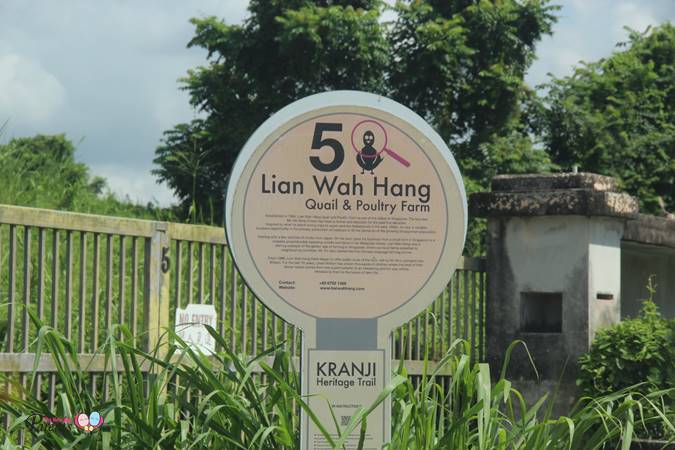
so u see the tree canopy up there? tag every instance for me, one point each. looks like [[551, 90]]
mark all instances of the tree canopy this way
[[458, 63], [41, 171], [616, 117]]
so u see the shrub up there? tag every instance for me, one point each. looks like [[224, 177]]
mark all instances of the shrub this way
[[634, 351]]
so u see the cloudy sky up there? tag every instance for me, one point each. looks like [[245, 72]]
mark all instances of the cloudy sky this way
[[105, 73]]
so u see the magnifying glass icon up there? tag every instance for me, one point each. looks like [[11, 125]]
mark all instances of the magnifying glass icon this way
[[389, 151]]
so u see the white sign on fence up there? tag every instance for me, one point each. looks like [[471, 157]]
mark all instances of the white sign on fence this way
[[190, 326]]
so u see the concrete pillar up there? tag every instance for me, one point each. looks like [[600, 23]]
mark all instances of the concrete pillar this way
[[554, 272]]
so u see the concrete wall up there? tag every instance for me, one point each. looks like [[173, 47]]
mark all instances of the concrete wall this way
[[575, 256], [638, 262], [604, 274], [545, 258], [563, 261]]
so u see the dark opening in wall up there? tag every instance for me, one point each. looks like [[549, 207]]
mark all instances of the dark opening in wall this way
[[541, 312]]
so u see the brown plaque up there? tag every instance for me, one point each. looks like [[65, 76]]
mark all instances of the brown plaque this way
[[346, 215], [346, 212]]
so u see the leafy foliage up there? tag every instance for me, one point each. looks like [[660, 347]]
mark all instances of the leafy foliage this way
[[638, 350], [461, 65], [42, 172], [284, 51], [616, 117], [222, 403], [458, 63]]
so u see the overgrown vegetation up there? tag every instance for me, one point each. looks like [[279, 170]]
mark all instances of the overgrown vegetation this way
[[222, 403], [616, 117], [637, 352], [458, 64], [42, 172]]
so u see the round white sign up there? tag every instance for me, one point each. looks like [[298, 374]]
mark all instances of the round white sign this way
[[346, 205]]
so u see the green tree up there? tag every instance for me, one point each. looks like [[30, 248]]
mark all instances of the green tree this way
[[41, 171], [616, 116], [461, 65], [285, 50], [458, 63], [31, 164]]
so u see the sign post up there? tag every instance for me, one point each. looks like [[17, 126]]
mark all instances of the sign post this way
[[346, 215]]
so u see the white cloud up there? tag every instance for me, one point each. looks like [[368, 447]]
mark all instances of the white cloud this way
[[635, 15], [28, 92], [589, 30], [118, 63], [135, 183]]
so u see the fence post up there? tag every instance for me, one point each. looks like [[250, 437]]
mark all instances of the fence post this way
[[157, 279]]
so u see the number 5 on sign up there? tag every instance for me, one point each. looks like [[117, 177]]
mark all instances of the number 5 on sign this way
[[346, 247]]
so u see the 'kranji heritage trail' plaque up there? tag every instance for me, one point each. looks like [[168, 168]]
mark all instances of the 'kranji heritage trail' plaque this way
[[346, 215]]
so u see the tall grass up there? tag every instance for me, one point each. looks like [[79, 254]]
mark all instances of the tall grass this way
[[41, 172], [473, 412], [181, 399]]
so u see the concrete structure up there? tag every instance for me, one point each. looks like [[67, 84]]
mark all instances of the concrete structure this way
[[648, 249], [557, 246]]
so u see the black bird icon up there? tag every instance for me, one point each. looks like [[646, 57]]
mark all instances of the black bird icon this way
[[368, 159]]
